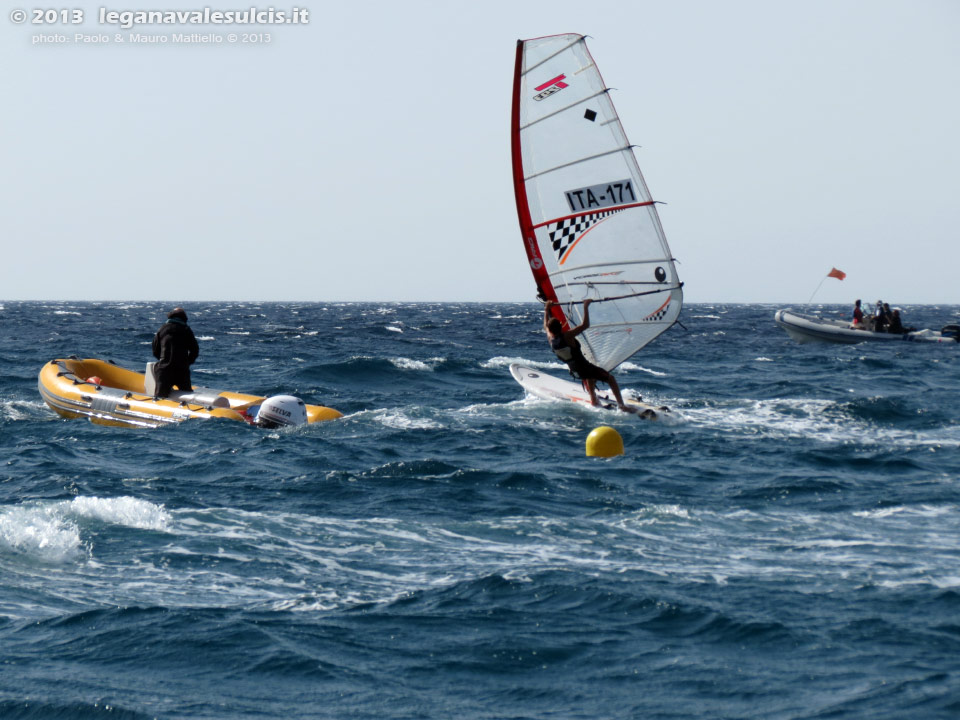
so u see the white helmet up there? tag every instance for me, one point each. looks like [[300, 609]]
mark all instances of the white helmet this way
[[281, 410]]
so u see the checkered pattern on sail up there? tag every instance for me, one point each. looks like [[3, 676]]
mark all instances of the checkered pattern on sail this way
[[658, 314], [565, 231]]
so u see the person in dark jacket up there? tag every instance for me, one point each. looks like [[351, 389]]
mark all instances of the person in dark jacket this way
[[881, 318], [565, 346], [175, 348], [896, 324]]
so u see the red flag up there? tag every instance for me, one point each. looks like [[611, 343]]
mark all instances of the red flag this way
[[838, 274]]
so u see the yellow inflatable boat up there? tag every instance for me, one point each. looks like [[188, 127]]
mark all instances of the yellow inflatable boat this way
[[108, 394]]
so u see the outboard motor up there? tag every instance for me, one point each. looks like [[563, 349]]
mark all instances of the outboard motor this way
[[951, 331], [282, 411]]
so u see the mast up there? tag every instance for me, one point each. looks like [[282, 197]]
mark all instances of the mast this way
[[540, 275]]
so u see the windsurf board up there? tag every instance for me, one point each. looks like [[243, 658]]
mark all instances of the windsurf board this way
[[549, 387]]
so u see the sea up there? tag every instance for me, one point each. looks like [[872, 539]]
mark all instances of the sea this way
[[785, 543]]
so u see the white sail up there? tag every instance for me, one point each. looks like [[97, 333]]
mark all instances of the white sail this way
[[590, 227]]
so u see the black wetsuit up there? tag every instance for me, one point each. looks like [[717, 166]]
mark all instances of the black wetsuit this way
[[880, 322], [175, 348], [572, 355]]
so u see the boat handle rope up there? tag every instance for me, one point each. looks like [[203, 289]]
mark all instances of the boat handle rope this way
[[183, 403], [128, 396]]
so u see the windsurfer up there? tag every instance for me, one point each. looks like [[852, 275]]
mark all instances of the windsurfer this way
[[566, 347]]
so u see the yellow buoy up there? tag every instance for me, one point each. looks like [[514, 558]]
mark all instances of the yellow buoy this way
[[604, 442]]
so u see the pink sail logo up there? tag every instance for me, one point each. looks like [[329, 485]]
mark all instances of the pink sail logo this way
[[550, 87]]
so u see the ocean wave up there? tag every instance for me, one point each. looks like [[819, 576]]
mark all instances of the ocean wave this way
[[43, 533], [24, 410], [125, 511], [629, 366], [399, 420], [924, 511], [210, 371], [502, 361], [404, 363], [252, 559], [51, 532], [820, 419]]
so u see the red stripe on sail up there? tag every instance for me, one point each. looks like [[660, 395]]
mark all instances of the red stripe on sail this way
[[540, 275], [612, 208], [556, 81]]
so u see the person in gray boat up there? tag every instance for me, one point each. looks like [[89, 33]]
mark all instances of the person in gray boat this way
[[857, 322], [881, 317], [176, 349], [896, 324]]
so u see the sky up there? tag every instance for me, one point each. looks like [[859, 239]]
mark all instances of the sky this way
[[365, 155]]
